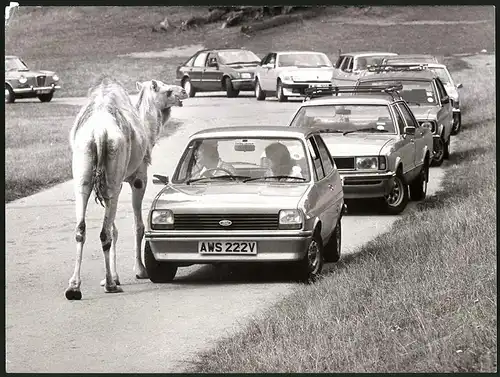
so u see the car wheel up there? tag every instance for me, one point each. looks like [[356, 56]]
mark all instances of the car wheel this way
[[446, 152], [279, 92], [259, 93], [438, 157], [46, 97], [333, 247], [158, 272], [418, 188], [230, 91], [10, 97], [309, 268], [397, 199], [457, 126], [188, 87]]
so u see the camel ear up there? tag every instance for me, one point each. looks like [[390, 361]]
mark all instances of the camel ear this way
[[138, 85], [154, 85]]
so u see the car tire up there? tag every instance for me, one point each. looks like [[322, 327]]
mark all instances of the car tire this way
[[333, 247], [279, 92], [309, 268], [230, 91], [188, 87], [259, 93], [158, 272], [446, 155], [457, 126], [397, 199], [10, 97], [418, 188], [438, 158], [46, 97]]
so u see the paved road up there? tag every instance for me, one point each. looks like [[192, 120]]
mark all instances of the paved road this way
[[150, 327]]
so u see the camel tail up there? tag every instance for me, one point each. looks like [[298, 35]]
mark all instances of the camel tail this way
[[99, 170]]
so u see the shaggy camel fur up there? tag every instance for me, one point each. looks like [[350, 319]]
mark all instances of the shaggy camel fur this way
[[112, 141]]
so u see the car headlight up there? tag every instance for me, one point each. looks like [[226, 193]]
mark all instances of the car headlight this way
[[162, 219], [246, 75], [366, 163], [23, 80], [290, 219], [237, 74], [55, 78]]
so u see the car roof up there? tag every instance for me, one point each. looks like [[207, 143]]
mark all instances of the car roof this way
[[417, 57], [223, 49], [367, 53], [423, 75], [298, 52], [253, 131], [357, 99]]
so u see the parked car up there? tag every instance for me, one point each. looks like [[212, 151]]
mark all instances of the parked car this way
[[229, 70], [425, 93], [244, 210], [378, 146], [442, 72], [288, 73], [410, 58], [349, 65], [22, 82]]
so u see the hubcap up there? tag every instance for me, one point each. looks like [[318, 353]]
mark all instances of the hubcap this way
[[313, 255], [187, 87], [424, 184], [257, 90], [395, 197]]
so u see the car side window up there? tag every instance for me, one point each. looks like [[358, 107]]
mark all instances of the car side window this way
[[318, 167], [345, 64], [265, 59], [272, 59], [407, 114], [189, 63], [211, 57], [441, 89], [326, 158], [399, 120], [200, 59], [339, 61]]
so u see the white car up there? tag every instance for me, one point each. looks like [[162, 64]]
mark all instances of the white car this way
[[288, 73]]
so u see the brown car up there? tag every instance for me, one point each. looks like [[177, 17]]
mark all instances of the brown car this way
[[229, 70]]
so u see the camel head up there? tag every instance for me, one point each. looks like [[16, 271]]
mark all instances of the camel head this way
[[164, 96]]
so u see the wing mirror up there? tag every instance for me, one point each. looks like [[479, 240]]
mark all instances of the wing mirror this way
[[445, 100], [160, 179], [459, 86], [410, 130]]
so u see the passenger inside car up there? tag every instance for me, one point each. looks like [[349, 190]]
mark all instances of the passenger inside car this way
[[281, 163], [209, 163]]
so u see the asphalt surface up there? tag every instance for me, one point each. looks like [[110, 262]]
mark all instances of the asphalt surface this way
[[149, 327]]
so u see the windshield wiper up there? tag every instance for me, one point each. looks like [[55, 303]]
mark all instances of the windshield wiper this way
[[274, 177], [364, 130], [226, 176]]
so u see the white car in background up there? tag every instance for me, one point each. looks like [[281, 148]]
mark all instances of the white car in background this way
[[288, 73]]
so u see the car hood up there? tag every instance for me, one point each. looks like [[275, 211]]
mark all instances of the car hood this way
[[29, 73], [424, 112], [225, 195], [355, 144], [306, 74]]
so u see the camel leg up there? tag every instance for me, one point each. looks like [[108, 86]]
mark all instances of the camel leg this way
[[138, 186], [106, 236], [112, 256]]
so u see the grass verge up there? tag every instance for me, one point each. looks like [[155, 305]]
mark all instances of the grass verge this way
[[420, 298]]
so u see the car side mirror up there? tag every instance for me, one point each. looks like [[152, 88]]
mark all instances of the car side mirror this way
[[410, 130], [445, 100], [459, 86], [160, 179]]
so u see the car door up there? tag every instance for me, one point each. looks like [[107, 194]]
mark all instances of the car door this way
[[445, 113], [345, 76], [419, 138], [211, 78], [406, 143], [197, 71], [321, 195], [265, 73]]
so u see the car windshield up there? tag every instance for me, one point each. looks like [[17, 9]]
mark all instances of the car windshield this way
[[238, 56], [443, 74], [304, 60], [415, 92], [363, 62], [15, 64], [243, 160], [346, 118]]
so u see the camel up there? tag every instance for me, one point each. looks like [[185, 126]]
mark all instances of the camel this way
[[111, 141]]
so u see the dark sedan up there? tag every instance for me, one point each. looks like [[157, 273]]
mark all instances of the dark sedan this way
[[229, 70]]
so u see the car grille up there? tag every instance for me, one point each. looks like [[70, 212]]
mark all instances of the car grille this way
[[40, 80], [239, 221], [344, 162]]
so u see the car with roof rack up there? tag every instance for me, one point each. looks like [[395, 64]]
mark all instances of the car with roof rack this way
[[427, 97], [443, 73], [349, 65], [228, 69], [378, 146], [226, 203], [289, 73], [410, 58]]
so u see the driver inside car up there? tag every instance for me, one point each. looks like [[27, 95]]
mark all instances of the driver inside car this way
[[209, 163]]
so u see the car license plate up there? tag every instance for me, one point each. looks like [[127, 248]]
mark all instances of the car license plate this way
[[43, 91], [227, 247], [319, 85]]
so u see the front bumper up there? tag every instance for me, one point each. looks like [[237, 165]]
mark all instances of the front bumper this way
[[278, 246], [297, 89], [37, 90], [367, 185], [243, 84]]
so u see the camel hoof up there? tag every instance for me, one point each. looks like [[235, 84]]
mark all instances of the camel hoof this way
[[73, 294], [103, 282], [113, 289]]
